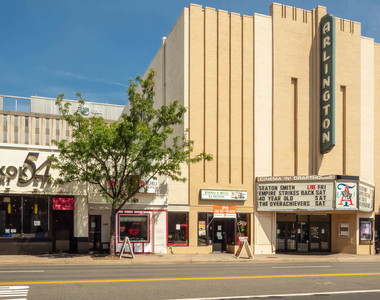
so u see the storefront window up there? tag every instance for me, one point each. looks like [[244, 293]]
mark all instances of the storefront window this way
[[35, 216], [178, 229], [205, 225], [202, 229], [10, 216], [209, 227], [242, 227], [136, 227]]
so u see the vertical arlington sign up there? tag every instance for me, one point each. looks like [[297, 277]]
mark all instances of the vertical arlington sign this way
[[327, 102]]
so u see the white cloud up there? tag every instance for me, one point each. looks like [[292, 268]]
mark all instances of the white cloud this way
[[69, 74], [119, 98]]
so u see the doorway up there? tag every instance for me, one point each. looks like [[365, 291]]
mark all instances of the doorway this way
[[303, 233], [286, 236], [95, 232], [319, 236], [63, 230], [223, 234]]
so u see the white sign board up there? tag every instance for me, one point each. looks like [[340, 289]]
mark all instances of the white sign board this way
[[346, 196], [149, 186], [344, 229], [223, 195], [365, 197], [291, 196]]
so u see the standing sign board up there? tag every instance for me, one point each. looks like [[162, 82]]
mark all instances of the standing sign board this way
[[126, 241], [244, 245]]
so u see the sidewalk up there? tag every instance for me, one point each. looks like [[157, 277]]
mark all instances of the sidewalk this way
[[87, 259]]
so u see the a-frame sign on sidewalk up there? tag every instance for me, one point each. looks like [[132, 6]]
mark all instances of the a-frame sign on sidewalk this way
[[126, 240], [244, 244]]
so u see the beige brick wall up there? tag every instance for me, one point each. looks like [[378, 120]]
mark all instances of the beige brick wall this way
[[345, 157], [367, 110], [292, 43], [377, 125], [221, 105]]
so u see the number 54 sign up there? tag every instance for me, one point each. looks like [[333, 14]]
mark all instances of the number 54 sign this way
[[26, 173]]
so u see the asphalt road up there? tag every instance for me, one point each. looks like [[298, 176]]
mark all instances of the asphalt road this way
[[338, 280]]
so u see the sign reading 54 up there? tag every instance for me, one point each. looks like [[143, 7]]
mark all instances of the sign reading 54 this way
[[28, 171]]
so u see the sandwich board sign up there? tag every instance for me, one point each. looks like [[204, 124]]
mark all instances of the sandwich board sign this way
[[126, 240], [244, 244]]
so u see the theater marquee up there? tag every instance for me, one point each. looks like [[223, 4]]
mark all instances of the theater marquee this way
[[295, 196], [313, 193]]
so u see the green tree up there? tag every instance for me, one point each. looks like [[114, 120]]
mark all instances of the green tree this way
[[113, 156]]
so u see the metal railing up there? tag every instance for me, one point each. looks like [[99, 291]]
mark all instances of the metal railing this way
[[13, 103]]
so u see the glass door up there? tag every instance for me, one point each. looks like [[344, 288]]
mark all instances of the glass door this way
[[314, 237], [320, 237], [325, 236], [286, 236], [303, 237], [280, 236], [95, 232], [220, 239], [291, 241]]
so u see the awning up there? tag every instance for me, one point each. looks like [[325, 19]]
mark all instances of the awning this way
[[63, 203]]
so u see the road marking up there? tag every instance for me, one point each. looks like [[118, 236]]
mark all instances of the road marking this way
[[9, 292], [285, 295], [31, 271], [188, 279], [301, 267]]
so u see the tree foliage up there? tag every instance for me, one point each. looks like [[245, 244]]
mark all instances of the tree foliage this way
[[112, 156]]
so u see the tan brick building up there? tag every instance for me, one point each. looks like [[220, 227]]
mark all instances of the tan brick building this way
[[252, 86]]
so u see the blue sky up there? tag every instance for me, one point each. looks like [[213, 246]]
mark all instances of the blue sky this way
[[95, 46]]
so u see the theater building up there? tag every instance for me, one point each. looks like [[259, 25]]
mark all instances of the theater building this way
[[286, 104]]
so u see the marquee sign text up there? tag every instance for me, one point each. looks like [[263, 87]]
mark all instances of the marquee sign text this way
[[287, 196]]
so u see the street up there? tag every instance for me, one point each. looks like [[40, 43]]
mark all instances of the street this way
[[303, 280]]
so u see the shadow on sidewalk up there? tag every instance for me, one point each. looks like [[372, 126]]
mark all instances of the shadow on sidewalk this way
[[60, 255]]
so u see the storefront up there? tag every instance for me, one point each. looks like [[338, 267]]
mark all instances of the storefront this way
[[36, 215], [224, 227], [319, 213], [303, 233], [144, 222]]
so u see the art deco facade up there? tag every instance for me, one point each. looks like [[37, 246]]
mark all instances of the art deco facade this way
[[285, 103], [252, 86]]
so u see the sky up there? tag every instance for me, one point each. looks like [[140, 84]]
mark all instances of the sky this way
[[95, 46]]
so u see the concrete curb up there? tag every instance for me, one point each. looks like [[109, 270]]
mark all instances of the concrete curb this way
[[180, 259], [72, 259]]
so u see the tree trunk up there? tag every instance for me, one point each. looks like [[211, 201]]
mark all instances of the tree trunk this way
[[112, 231]]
